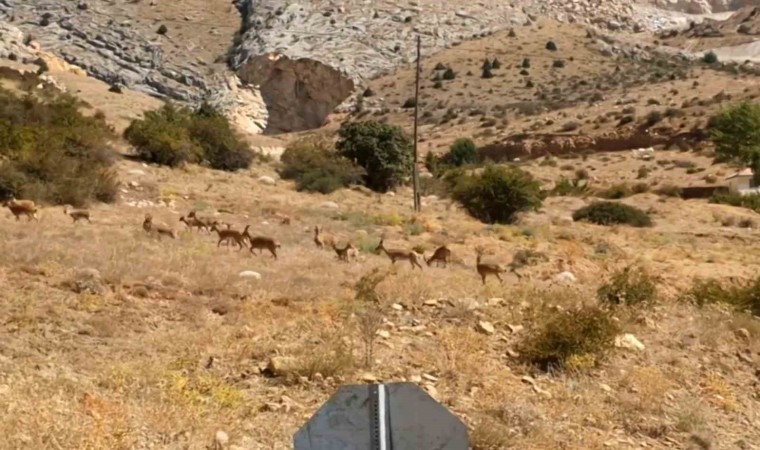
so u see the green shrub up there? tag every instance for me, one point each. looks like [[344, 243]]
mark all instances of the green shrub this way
[[558, 63], [498, 193], [611, 213], [487, 74], [383, 150], [409, 103], [316, 167], [631, 286], [496, 64], [174, 135], [710, 58], [51, 153], [653, 118], [462, 151], [744, 201], [449, 74], [615, 192], [742, 296], [582, 333], [525, 63], [551, 46], [642, 173]]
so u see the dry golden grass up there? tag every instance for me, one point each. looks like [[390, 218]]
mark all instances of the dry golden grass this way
[[126, 364]]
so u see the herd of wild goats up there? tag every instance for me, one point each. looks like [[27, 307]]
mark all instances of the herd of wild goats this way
[[241, 239]]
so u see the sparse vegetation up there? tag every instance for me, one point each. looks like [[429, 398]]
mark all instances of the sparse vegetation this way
[[744, 201], [463, 151], [586, 332], [316, 167], [736, 134], [631, 286], [51, 153], [669, 190], [383, 150], [623, 190], [174, 135], [613, 213], [744, 296], [498, 193], [566, 187]]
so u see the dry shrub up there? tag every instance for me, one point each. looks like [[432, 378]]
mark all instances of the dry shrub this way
[[580, 337], [631, 286], [460, 357]]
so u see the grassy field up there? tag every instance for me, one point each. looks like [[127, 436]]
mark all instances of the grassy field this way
[[162, 347]]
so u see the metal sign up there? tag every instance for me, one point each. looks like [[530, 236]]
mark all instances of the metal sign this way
[[397, 416]]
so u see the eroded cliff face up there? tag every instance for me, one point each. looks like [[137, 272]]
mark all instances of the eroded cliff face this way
[[299, 94]]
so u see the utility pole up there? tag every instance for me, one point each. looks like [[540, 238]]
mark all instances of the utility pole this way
[[416, 170]]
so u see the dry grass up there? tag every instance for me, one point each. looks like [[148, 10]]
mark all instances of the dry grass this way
[[129, 366]]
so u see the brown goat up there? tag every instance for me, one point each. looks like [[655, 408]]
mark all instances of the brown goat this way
[[400, 254], [229, 235], [159, 228], [441, 255], [77, 214], [22, 208]]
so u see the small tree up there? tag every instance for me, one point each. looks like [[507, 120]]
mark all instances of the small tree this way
[[710, 58], [496, 64], [449, 74], [526, 63], [462, 151], [383, 150], [498, 193], [612, 213], [736, 134], [487, 73], [486, 65]]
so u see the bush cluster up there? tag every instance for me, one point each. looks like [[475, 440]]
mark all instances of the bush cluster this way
[[498, 193], [174, 135], [51, 153], [612, 213], [744, 201], [383, 150], [743, 297], [317, 167], [586, 333], [631, 286]]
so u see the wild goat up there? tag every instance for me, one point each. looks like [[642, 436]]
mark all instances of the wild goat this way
[[262, 243], [77, 214], [229, 235], [194, 222], [323, 239], [346, 253], [22, 207], [399, 254], [485, 269], [160, 229], [441, 255]]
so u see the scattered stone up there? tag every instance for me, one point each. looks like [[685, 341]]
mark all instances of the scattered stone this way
[[565, 278], [542, 392], [116, 88], [384, 334], [516, 328], [397, 307], [486, 327], [250, 275], [429, 377], [415, 379], [745, 357], [496, 301], [278, 366], [221, 439], [743, 334], [87, 281], [605, 387], [368, 377], [430, 389], [330, 205], [512, 353], [629, 341], [267, 180], [432, 302]]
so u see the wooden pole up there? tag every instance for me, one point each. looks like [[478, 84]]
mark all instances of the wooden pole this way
[[415, 173]]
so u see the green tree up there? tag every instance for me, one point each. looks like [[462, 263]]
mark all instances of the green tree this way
[[736, 134], [498, 193], [462, 151], [383, 150]]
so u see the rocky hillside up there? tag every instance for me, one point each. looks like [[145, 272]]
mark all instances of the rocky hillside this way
[[280, 67]]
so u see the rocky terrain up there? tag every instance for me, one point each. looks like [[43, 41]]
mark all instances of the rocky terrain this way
[[288, 65]]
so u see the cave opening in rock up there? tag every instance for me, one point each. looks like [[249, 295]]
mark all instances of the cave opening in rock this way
[[299, 93]]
